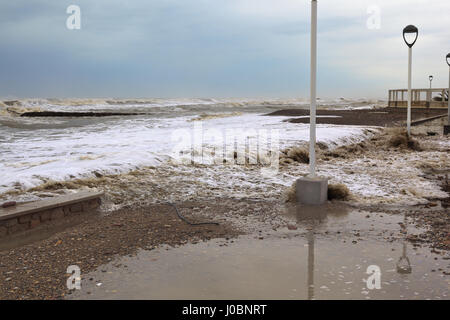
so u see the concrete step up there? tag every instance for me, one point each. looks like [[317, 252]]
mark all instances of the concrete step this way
[[29, 215], [42, 205]]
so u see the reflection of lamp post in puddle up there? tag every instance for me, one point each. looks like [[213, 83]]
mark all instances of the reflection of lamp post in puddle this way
[[312, 217], [311, 264], [403, 264]]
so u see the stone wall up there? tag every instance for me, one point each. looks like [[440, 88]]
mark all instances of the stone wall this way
[[29, 221]]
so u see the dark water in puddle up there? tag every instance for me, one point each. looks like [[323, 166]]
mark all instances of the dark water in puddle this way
[[320, 260]]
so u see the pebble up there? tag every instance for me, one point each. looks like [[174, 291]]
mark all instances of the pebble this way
[[9, 204]]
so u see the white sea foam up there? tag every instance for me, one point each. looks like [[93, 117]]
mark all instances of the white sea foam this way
[[36, 150], [165, 105], [31, 157]]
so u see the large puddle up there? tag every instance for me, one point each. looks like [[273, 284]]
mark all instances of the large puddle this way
[[326, 257]]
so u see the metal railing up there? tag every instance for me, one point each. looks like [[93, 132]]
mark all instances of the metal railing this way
[[425, 98]]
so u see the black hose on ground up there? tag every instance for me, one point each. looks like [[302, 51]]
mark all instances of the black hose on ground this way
[[187, 221]]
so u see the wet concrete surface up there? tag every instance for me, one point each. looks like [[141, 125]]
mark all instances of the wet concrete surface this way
[[323, 253]]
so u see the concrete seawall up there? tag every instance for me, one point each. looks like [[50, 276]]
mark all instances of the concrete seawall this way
[[22, 217]]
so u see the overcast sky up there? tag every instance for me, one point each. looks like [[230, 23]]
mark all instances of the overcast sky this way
[[217, 48]]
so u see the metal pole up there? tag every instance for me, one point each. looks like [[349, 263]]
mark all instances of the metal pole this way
[[408, 117], [312, 112], [448, 96]]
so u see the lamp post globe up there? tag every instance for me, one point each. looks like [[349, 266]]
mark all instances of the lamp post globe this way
[[410, 34]]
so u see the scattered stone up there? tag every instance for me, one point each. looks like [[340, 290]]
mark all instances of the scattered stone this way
[[92, 242], [9, 204]]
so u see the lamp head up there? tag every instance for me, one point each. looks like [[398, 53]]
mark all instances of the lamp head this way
[[431, 78], [410, 34], [448, 59]]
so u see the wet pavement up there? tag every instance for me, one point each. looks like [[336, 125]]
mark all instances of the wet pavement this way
[[323, 253]]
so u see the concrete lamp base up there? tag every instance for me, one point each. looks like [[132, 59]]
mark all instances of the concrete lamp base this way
[[312, 191], [446, 130]]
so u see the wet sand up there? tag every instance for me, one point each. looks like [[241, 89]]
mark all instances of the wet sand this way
[[318, 254], [160, 256], [383, 117], [38, 270]]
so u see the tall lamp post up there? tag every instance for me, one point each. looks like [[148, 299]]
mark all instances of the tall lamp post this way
[[312, 189], [430, 94], [312, 112], [448, 93], [410, 34]]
